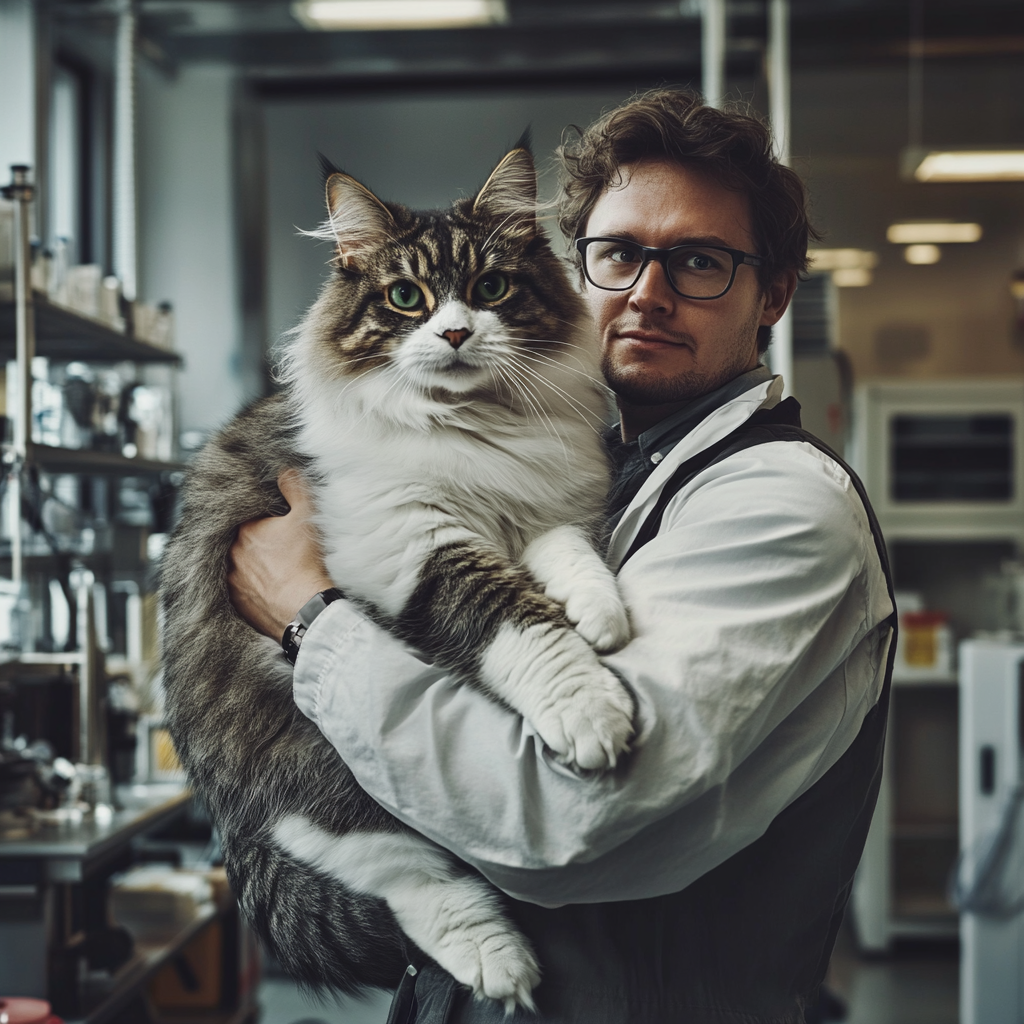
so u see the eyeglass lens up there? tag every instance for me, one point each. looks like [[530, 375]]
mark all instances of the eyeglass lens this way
[[698, 271]]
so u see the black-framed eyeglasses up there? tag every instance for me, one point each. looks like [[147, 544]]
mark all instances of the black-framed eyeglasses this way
[[693, 271]]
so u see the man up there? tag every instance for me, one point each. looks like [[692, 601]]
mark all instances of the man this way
[[703, 880]]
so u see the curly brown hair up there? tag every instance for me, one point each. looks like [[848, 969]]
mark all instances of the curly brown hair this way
[[732, 146]]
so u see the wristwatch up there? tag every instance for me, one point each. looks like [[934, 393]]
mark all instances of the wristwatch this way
[[296, 629]]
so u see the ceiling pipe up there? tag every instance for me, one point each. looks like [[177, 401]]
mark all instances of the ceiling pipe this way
[[713, 29], [781, 352]]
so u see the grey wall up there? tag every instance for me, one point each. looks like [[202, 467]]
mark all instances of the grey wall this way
[[17, 86], [422, 149], [187, 243]]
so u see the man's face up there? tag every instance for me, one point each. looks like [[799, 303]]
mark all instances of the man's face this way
[[659, 349]]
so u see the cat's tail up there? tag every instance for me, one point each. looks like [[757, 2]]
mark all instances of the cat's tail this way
[[327, 939]]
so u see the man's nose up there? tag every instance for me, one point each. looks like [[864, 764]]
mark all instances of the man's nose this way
[[652, 293], [457, 337]]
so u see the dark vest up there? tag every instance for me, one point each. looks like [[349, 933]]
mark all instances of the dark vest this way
[[747, 943]]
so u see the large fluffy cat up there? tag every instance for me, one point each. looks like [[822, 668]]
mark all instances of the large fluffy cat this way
[[441, 401]]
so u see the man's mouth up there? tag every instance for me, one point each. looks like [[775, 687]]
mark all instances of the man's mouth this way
[[650, 338]]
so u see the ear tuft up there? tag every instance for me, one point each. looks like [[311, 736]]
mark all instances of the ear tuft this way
[[327, 168], [510, 193], [359, 222], [525, 141]]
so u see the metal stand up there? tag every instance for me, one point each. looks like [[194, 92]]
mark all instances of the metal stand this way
[[17, 458], [21, 193]]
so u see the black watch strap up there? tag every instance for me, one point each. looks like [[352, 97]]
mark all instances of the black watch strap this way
[[296, 629]]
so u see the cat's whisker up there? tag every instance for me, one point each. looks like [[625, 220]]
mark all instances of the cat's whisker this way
[[400, 378], [547, 419], [354, 381], [499, 380], [575, 405], [595, 381], [550, 360], [530, 407], [522, 388]]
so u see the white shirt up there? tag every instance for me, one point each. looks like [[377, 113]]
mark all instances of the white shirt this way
[[760, 640]]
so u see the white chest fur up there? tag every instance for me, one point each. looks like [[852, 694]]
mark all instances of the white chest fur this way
[[397, 481]]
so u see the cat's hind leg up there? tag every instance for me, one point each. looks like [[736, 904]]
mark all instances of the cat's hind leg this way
[[574, 574], [454, 917]]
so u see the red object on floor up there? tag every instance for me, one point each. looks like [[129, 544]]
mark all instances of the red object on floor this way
[[26, 1011]]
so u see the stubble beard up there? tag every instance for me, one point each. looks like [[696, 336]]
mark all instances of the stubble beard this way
[[640, 384]]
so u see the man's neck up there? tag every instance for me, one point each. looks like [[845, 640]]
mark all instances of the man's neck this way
[[635, 419]]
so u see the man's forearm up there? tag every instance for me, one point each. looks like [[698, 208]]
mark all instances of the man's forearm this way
[[751, 676]]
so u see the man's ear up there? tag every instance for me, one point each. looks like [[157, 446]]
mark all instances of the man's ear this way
[[359, 221], [777, 297], [510, 193]]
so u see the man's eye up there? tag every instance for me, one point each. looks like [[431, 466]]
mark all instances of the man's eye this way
[[700, 261], [622, 255]]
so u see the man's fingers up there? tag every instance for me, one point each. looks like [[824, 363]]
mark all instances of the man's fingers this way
[[295, 491]]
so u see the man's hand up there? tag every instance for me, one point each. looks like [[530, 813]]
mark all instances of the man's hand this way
[[276, 564]]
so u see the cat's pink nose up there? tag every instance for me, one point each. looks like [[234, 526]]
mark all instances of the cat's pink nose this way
[[456, 338]]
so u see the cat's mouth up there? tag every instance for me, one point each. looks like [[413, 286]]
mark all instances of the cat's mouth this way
[[458, 376]]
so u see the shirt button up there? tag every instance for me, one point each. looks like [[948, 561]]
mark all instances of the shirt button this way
[[657, 457]]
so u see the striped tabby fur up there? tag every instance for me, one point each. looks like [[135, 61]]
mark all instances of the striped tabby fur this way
[[448, 431]]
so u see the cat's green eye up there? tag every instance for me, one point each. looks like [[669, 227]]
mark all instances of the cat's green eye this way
[[406, 296], [491, 287]]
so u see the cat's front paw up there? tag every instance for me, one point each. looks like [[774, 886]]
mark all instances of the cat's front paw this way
[[600, 617], [574, 574], [549, 674], [589, 723]]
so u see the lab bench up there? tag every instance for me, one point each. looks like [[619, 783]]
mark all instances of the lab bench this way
[[56, 938]]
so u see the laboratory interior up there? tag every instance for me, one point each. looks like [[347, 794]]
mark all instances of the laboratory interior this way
[[162, 164]]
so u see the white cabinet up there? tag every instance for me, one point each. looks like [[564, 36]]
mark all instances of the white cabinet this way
[[942, 462]]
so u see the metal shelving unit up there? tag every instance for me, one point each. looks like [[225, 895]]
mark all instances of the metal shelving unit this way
[[66, 335], [83, 460], [32, 325]]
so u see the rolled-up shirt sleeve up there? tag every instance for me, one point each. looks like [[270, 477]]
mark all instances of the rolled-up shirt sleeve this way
[[759, 615]]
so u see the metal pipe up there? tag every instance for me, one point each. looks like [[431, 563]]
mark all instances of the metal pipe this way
[[125, 232], [89, 746], [778, 75], [781, 352], [21, 193], [713, 32]]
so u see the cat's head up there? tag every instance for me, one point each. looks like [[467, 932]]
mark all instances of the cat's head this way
[[457, 302]]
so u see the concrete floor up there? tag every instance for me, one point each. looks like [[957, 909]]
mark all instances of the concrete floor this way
[[282, 1003], [916, 985]]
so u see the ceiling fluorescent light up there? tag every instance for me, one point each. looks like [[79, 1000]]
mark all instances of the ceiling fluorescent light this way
[[841, 259], [922, 254], [851, 277], [363, 15], [935, 232], [850, 268], [964, 165]]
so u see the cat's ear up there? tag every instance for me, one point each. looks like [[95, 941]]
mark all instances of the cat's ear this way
[[359, 221], [510, 193]]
